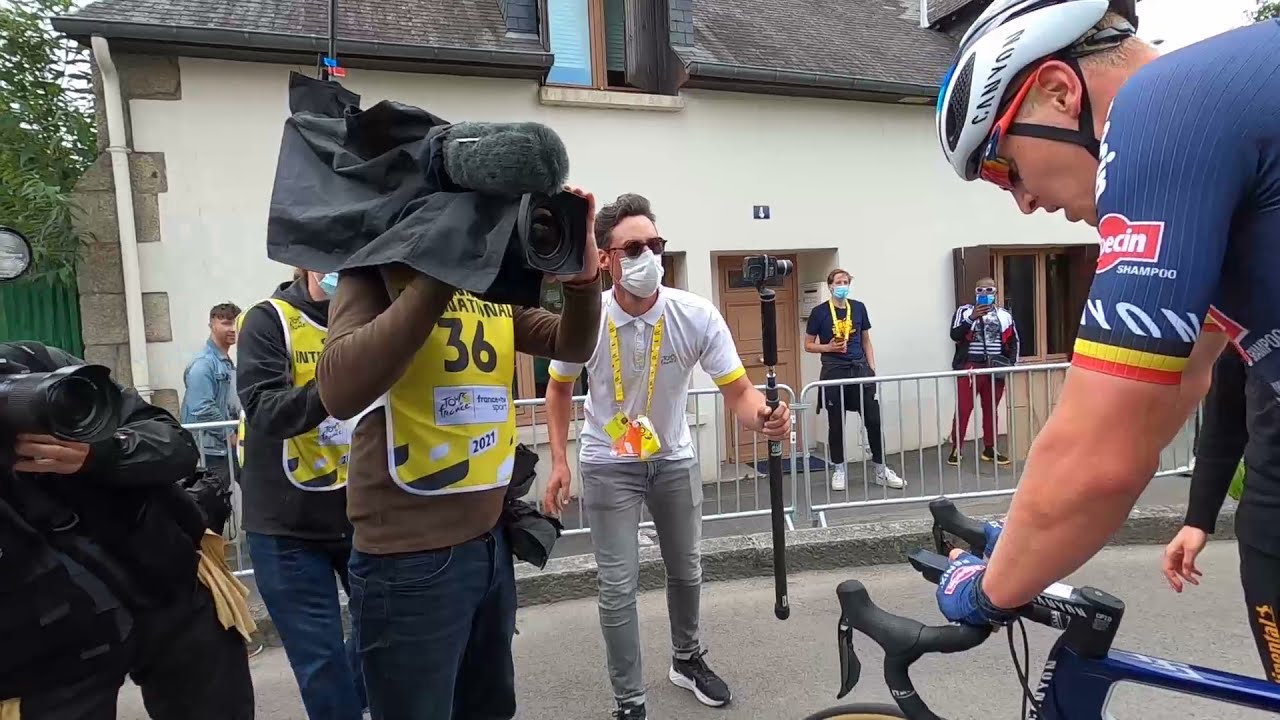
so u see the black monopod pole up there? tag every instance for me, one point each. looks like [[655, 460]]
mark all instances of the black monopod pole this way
[[769, 325]]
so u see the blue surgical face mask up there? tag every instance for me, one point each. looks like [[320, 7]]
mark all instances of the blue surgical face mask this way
[[329, 284], [986, 299], [840, 292]]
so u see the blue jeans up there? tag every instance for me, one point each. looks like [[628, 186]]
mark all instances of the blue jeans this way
[[296, 580], [434, 630]]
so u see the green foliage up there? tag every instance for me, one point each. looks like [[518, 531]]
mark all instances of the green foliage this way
[[47, 132], [1267, 9]]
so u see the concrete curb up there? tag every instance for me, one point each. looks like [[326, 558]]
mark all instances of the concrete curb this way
[[877, 543], [846, 546]]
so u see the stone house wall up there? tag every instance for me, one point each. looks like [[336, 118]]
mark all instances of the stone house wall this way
[[99, 272]]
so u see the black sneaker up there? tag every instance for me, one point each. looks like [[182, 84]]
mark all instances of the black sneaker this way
[[992, 455], [954, 457], [694, 675]]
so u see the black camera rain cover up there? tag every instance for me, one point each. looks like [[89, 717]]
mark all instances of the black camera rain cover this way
[[363, 188]]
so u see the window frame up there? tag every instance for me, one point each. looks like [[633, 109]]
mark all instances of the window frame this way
[[599, 55], [975, 261]]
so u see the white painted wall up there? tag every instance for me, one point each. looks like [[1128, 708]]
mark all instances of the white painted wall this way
[[864, 178]]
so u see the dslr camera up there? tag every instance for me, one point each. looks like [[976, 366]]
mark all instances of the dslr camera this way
[[79, 403]]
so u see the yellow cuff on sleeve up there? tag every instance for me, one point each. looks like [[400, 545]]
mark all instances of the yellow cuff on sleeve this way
[[731, 376], [560, 378]]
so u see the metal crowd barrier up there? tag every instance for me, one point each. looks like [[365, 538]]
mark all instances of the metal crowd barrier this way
[[720, 455], [918, 418], [918, 413]]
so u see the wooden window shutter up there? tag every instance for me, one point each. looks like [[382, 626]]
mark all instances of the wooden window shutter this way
[[970, 264], [652, 65], [1084, 265], [615, 35]]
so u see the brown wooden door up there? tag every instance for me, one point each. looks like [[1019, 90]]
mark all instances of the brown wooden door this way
[[740, 305]]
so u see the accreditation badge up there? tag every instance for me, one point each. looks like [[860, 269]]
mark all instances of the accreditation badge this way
[[638, 440]]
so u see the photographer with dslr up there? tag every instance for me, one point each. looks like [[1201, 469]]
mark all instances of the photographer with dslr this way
[[432, 576], [102, 569]]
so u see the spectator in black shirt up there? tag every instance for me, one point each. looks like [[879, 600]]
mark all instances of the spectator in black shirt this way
[[1241, 419], [840, 330]]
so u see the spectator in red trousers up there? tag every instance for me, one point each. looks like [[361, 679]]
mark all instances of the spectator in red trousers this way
[[985, 337]]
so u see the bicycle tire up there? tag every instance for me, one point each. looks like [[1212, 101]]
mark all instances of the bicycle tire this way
[[861, 711]]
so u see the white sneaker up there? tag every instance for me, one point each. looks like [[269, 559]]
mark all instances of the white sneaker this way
[[887, 477], [838, 479]]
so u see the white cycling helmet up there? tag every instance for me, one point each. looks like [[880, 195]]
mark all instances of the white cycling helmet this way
[[1007, 38]]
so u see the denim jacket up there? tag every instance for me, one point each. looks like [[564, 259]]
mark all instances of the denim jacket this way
[[210, 396]]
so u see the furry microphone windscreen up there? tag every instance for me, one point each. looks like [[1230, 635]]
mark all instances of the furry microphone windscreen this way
[[506, 158]]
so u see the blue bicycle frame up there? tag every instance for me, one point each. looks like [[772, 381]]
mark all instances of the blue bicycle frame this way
[[1073, 686], [1082, 668]]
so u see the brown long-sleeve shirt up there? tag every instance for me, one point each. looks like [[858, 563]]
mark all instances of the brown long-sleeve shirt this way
[[372, 340]]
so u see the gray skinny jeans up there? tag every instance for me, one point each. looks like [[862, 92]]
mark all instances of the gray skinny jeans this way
[[672, 489]]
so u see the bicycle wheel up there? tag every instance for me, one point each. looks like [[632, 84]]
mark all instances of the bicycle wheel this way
[[861, 711]]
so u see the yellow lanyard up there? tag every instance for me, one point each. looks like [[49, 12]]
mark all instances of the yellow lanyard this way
[[615, 359], [841, 328]]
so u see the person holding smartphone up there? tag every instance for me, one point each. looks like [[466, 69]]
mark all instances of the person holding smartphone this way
[[985, 336]]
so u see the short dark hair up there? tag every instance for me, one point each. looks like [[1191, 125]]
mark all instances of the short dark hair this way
[[627, 205], [224, 311], [831, 276]]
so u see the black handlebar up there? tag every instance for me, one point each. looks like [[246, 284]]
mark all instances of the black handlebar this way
[[904, 641], [1088, 617]]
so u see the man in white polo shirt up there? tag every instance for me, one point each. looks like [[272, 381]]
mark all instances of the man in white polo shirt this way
[[636, 447]]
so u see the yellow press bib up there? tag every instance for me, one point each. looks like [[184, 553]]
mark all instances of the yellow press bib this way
[[451, 420], [316, 460]]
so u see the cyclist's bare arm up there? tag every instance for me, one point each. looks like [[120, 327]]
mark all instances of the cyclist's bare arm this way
[[1096, 454]]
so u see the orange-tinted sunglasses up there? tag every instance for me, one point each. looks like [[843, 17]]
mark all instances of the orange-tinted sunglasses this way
[[995, 169]]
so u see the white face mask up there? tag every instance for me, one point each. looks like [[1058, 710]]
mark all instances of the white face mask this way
[[642, 275]]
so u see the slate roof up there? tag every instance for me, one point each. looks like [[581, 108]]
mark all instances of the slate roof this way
[[939, 9], [849, 40], [871, 39], [476, 24]]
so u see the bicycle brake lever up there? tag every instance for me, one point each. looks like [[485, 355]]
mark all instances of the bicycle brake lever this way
[[850, 666], [940, 542]]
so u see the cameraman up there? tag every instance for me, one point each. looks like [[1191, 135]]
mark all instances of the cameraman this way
[[100, 572], [433, 596]]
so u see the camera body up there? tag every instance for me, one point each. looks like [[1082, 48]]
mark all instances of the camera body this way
[[78, 403], [760, 269]]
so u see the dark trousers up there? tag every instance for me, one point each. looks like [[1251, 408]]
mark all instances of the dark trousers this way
[[188, 666], [296, 579], [860, 399], [434, 630], [989, 392], [1260, 577]]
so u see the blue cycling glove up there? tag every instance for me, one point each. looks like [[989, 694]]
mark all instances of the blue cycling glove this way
[[991, 529], [960, 596]]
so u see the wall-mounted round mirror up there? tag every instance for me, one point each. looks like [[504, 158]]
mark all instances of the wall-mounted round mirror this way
[[15, 254]]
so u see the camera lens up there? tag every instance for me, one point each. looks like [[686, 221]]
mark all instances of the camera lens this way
[[544, 240], [72, 401]]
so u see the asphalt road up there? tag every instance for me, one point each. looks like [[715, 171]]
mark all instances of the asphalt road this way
[[782, 670]]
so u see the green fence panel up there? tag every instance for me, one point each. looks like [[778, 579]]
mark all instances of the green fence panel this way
[[45, 310]]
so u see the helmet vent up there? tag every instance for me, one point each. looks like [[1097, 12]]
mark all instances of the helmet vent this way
[[958, 107]]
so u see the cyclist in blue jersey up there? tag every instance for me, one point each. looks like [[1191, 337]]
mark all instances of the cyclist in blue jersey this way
[[1175, 160]]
